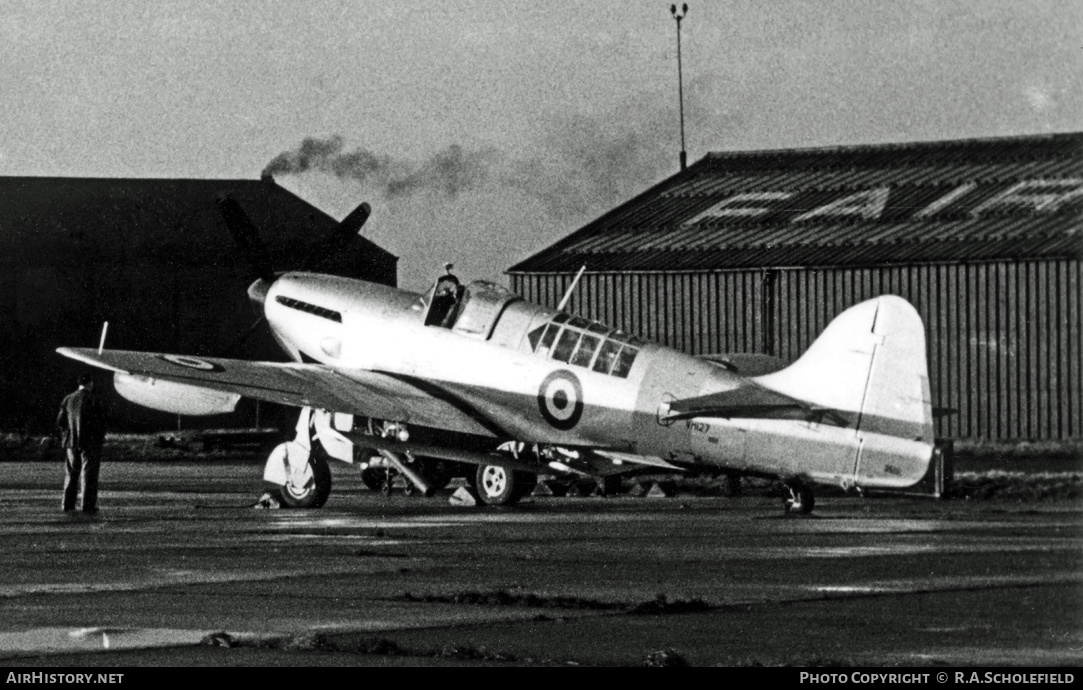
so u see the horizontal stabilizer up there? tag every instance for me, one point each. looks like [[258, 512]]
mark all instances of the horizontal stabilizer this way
[[747, 363], [750, 402]]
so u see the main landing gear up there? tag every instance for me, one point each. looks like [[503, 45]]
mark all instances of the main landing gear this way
[[302, 474], [498, 486], [380, 475], [299, 467]]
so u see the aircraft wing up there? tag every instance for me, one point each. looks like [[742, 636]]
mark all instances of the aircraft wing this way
[[751, 401], [365, 393], [613, 458]]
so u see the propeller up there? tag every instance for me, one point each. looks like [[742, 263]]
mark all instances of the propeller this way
[[247, 238], [337, 240]]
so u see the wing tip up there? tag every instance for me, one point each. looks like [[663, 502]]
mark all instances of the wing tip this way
[[88, 356]]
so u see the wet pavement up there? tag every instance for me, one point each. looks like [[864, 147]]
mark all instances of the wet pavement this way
[[176, 554]]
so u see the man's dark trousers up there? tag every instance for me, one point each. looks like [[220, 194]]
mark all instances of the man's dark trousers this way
[[82, 464]]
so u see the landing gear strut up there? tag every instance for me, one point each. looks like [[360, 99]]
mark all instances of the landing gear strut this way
[[381, 475], [800, 498]]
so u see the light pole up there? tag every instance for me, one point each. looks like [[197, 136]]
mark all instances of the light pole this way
[[680, 79]]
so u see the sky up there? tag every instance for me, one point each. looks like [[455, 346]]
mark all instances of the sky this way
[[481, 131]]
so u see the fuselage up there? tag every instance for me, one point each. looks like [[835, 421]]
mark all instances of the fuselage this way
[[538, 375]]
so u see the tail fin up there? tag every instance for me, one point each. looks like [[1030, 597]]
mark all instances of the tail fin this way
[[870, 361]]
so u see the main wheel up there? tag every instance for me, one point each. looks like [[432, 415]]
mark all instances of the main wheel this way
[[732, 486], [801, 498], [438, 472], [499, 486], [373, 478], [609, 486], [311, 488]]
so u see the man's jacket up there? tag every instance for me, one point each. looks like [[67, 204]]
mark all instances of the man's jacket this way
[[82, 421]]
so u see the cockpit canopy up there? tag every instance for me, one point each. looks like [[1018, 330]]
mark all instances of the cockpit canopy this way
[[585, 343], [470, 310]]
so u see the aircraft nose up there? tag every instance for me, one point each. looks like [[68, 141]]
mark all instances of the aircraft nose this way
[[257, 291]]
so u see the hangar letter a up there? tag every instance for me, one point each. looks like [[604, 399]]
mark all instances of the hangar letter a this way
[[868, 204]]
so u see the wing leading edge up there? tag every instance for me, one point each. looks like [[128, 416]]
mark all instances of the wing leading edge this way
[[364, 393]]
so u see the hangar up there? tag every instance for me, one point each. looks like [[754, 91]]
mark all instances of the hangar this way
[[154, 259], [757, 251]]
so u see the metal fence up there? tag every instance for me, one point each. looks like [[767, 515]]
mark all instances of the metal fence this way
[[1004, 338]]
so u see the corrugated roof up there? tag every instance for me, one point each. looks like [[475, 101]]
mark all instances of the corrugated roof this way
[[967, 200]]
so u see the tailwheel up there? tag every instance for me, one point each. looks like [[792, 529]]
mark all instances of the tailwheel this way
[[309, 486], [499, 486], [800, 498]]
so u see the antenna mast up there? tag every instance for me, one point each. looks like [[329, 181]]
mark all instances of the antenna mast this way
[[680, 77]]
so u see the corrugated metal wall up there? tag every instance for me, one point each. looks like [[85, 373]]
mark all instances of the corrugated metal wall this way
[[1004, 339]]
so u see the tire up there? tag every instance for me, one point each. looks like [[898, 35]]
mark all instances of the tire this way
[[438, 472], [731, 488], [498, 486], [609, 486], [373, 478], [316, 489]]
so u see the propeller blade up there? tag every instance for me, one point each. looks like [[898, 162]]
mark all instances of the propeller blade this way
[[247, 238], [236, 344], [352, 223], [338, 240]]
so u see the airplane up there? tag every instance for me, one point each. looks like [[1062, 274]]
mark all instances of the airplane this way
[[474, 376]]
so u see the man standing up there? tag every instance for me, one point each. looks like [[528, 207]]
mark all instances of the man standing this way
[[82, 431]]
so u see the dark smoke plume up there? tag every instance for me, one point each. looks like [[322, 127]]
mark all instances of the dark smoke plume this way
[[577, 168], [450, 172]]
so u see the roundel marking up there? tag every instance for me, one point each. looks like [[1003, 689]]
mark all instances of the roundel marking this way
[[560, 399], [191, 362]]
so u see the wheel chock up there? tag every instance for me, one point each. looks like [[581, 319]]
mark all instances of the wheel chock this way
[[268, 501], [463, 497], [658, 490], [549, 487], [637, 490], [581, 488]]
